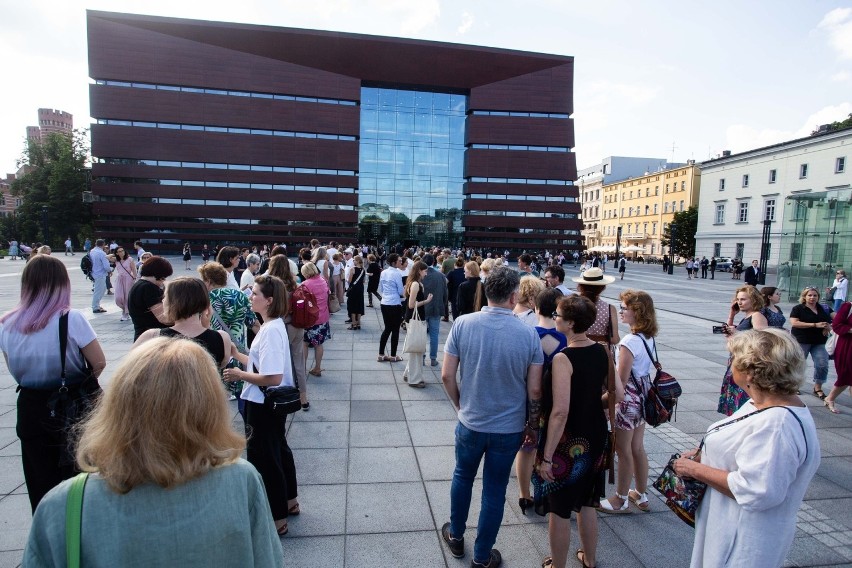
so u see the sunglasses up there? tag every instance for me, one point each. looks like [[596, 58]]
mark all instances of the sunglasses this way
[[623, 309]]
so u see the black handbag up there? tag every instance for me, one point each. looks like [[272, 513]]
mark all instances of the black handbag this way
[[282, 400], [71, 403]]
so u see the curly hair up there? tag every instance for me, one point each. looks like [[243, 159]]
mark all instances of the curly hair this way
[[757, 299], [771, 357], [529, 289], [642, 306], [213, 273]]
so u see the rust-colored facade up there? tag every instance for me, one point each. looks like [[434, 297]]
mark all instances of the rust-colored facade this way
[[211, 132]]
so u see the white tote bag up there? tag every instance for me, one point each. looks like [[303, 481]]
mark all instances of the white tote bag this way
[[415, 335]]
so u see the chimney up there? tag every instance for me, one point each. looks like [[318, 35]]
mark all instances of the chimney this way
[[823, 128], [726, 153]]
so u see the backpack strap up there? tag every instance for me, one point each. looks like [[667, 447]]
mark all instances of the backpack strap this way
[[63, 343]]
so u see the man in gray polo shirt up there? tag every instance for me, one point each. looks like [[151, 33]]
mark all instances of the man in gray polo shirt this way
[[492, 373]]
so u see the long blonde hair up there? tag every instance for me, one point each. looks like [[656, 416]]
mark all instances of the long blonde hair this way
[[164, 419]]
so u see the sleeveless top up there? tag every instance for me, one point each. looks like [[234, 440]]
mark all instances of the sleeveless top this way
[[601, 325], [209, 340], [775, 319], [421, 311], [557, 335]]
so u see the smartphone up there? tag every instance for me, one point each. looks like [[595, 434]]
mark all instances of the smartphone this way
[[718, 329]]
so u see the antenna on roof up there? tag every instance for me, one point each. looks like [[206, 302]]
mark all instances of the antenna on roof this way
[[673, 151]]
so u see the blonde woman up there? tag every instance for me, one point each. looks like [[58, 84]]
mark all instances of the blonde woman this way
[[527, 293], [169, 458], [633, 369], [471, 292], [485, 268]]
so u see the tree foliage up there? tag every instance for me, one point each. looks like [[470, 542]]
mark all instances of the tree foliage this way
[[684, 238], [846, 123], [54, 176]]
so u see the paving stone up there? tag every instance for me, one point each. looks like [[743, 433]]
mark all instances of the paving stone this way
[[321, 467], [380, 465], [416, 410], [374, 392], [433, 432], [419, 548], [310, 552], [383, 507], [322, 508], [379, 434], [376, 411], [15, 521], [318, 435], [324, 411], [808, 551], [439, 501], [436, 462]]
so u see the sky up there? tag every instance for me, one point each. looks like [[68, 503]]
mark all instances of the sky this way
[[665, 79]]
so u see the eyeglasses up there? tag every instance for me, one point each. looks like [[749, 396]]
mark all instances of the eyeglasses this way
[[555, 315], [623, 309]]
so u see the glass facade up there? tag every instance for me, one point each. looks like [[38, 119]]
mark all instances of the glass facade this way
[[411, 161], [816, 239]]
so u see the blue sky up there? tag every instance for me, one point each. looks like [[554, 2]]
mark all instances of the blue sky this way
[[679, 80]]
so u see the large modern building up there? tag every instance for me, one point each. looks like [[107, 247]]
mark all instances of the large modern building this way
[[799, 191], [210, 132]]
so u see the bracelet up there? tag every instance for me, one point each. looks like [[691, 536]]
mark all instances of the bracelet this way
[[546, 461]]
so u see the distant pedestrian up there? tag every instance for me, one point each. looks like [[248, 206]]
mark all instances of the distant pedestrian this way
[[704, 265], [713, 264], [205, 254], [68, 249], [100, 271], [187, 255], [622, 267], [87, 245], [752, 273]]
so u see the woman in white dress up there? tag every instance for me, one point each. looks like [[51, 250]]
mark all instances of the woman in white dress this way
[[758, 463]]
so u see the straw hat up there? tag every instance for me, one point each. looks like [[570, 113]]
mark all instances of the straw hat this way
[[594, 277]]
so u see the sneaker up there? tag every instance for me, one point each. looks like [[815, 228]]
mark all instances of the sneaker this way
[[433, 363], [456, 545], [124, 318], [493, 562]]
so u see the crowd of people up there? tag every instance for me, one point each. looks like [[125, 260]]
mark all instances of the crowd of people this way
[[159, 440]]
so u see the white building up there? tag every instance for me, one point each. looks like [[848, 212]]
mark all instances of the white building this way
[[739, 191]]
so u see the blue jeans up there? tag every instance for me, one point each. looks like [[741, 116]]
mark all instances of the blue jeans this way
[[837, 303], [820, 358], [100, 289], [499, 451], [433, 327]]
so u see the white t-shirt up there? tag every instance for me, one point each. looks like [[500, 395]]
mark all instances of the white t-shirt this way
[[567, 291], [246, 280], [232, 281], [270, 355], [34, 358], [642, 364]]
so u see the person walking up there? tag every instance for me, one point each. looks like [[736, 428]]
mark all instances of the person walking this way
[[842, 326], [126, 277], [68, 247], [810, 324], [622, 267], [435, 285], [374, 272], [355, 293], [100, 272], [494, 352]]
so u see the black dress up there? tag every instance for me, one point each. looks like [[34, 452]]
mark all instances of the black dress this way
[[578, 462], [355, 294]]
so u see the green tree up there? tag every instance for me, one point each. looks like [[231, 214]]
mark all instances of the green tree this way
[[846, 123], [687, 226], [54, 177]]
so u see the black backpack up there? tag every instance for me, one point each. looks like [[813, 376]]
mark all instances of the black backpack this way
[[86, 266]]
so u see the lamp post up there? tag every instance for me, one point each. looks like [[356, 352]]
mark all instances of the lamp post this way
[[44, 225], [617, 245], [764, 251], [673, 230]]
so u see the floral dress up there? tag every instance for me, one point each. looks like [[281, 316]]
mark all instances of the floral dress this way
[[732, 397], [232, 313]]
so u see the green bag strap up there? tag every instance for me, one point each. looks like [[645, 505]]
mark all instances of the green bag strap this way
[[74, 520]]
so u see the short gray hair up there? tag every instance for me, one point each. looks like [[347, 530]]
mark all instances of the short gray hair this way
[[501, 283], [252, 259]]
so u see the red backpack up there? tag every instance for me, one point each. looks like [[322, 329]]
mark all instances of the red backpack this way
[[304, 310]]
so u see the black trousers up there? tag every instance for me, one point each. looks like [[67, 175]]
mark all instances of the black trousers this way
[[46, 454], [268, 452], [704, 272], [392, 317]]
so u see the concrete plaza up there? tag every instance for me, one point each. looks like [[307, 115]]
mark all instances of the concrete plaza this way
[[375, 457]]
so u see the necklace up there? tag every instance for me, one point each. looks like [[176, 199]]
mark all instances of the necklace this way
[[575, 341]]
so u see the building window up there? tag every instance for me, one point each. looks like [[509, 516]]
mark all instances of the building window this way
[[667, 188], [647, 192], [745, 180], [740, 250], [773, 175], [657, 190], [840, 165], [683, 185], [769, 210], [717, 249], [681, 204], [720, 214], [656, 208], [647, 209], [803, 171], [721, 184], [830, 256], [654, 228], [795, 252], [742, 214], [666, 207]]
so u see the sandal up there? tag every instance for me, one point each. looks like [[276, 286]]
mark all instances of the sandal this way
[[818, 393], [383, 359], [283, 529], [548, 561], [640, 500], [829, 404], [607, 507], [294, 510], [352, 327], [315, 372], [396, 359], [581, 556]]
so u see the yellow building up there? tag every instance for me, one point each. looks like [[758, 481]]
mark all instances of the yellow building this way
[[644, 206]]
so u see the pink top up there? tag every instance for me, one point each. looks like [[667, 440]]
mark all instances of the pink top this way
[[600, 326], [319, 288]]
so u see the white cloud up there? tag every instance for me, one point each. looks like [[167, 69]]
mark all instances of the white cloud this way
[[743, 137], [466, 24], [414, 16], [841, 77], [838, 25]]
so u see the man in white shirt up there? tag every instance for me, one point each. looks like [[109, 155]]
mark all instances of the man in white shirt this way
[[554, 277], [100, 269], [350, 264], [139, 250]]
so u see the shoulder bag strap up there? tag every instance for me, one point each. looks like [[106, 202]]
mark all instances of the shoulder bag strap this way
[[74, 520], [63, 343], [720, 426], [610, 389], [237, 341]]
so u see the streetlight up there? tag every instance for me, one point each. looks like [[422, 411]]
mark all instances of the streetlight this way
[[45, 231]]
